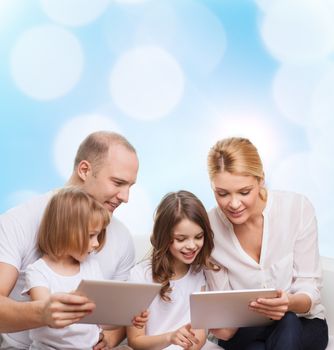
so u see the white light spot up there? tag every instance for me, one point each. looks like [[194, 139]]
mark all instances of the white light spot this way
[[190, 31], [74, 12], [321, 126], [294, 173], [131, 1], [46, 62], [253, 127], [72, 134], [146, 83], [293, 88], [298, 31]]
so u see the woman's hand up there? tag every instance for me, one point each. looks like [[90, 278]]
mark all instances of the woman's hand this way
[[184, 337], [140, 321], [273, 308]]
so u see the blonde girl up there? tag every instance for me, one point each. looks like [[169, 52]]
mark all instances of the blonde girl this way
[[73, 228]]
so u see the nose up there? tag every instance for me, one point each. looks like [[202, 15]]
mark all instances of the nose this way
[[191, 244], [235, 203], [95, 243], [123, 194]]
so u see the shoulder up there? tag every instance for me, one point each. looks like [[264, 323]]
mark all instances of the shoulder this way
[[289, 200], [29, 212], [141, 272], [118, 230], [90, 268]]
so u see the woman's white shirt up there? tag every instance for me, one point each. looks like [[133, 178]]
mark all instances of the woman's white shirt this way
[[289, 257]]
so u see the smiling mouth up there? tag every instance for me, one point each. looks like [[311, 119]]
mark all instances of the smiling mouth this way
[[111, 206], [236, 213], [190, 255]]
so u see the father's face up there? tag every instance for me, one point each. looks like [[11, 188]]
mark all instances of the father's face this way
[[110, 185]]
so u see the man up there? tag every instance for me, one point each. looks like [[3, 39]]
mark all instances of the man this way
[[105, 166]]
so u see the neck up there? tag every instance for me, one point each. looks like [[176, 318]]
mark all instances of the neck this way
[[65, 265], [180, 269]]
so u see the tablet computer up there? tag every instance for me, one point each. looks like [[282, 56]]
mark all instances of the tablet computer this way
[[219, 309], [117, 302]]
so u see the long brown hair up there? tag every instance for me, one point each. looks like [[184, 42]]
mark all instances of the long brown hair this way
[[65, 224], [173, 208]]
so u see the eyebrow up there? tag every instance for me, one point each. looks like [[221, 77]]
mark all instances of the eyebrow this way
[[122, 180], [182, 236], [240, 189]]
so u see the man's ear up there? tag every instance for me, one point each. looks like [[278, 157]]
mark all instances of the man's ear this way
[[83, 169]]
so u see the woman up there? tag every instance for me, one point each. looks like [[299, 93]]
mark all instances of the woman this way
[[266, 239]]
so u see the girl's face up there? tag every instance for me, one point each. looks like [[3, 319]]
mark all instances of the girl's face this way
[[188, 239], [237, 196], [93, 243]]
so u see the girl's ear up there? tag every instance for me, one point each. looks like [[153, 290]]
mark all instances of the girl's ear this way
[[84, 169]]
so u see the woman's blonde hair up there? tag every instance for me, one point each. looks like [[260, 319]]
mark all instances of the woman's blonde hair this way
[[66, 221], [237, 156]]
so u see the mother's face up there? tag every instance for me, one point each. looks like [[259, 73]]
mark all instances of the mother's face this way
[[238, 196]]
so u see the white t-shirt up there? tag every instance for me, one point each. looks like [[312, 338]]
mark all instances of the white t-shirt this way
[[169, 316], [18, 230], [75, 336], [289, 255]]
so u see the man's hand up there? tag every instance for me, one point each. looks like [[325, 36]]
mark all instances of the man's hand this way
[[62, 309]]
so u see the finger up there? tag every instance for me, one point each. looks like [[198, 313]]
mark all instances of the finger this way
[[63, 323], [67, 317], [265, 308], [69, 298], [275, 315], [58, 306]]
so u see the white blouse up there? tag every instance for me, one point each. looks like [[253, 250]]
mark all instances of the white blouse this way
[[289, 257]]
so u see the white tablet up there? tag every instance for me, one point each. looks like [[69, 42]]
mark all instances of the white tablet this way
[[117, 302], [219, 309]]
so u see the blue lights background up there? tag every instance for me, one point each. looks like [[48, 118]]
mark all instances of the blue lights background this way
[[173, 76]]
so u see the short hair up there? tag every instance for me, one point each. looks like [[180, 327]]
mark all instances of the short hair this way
[[173, 208], [237, 156], [96, 145], [65, 224]]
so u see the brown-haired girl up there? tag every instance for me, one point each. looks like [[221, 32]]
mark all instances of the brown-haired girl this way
[[73, 227], [182, 242]]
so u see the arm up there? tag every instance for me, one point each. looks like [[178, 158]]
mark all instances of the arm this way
[[58, 310], [185, 337], [111, 338], [224, 333], [30, 312]]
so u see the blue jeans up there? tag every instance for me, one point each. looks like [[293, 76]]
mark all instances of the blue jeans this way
[[289, 333]]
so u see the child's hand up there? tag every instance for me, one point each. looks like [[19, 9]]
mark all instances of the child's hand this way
[[223, 333], [184, 337], [140, 321]]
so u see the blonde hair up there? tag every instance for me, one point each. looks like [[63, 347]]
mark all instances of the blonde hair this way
[[95, 147], [66, 221], [238, 156]]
